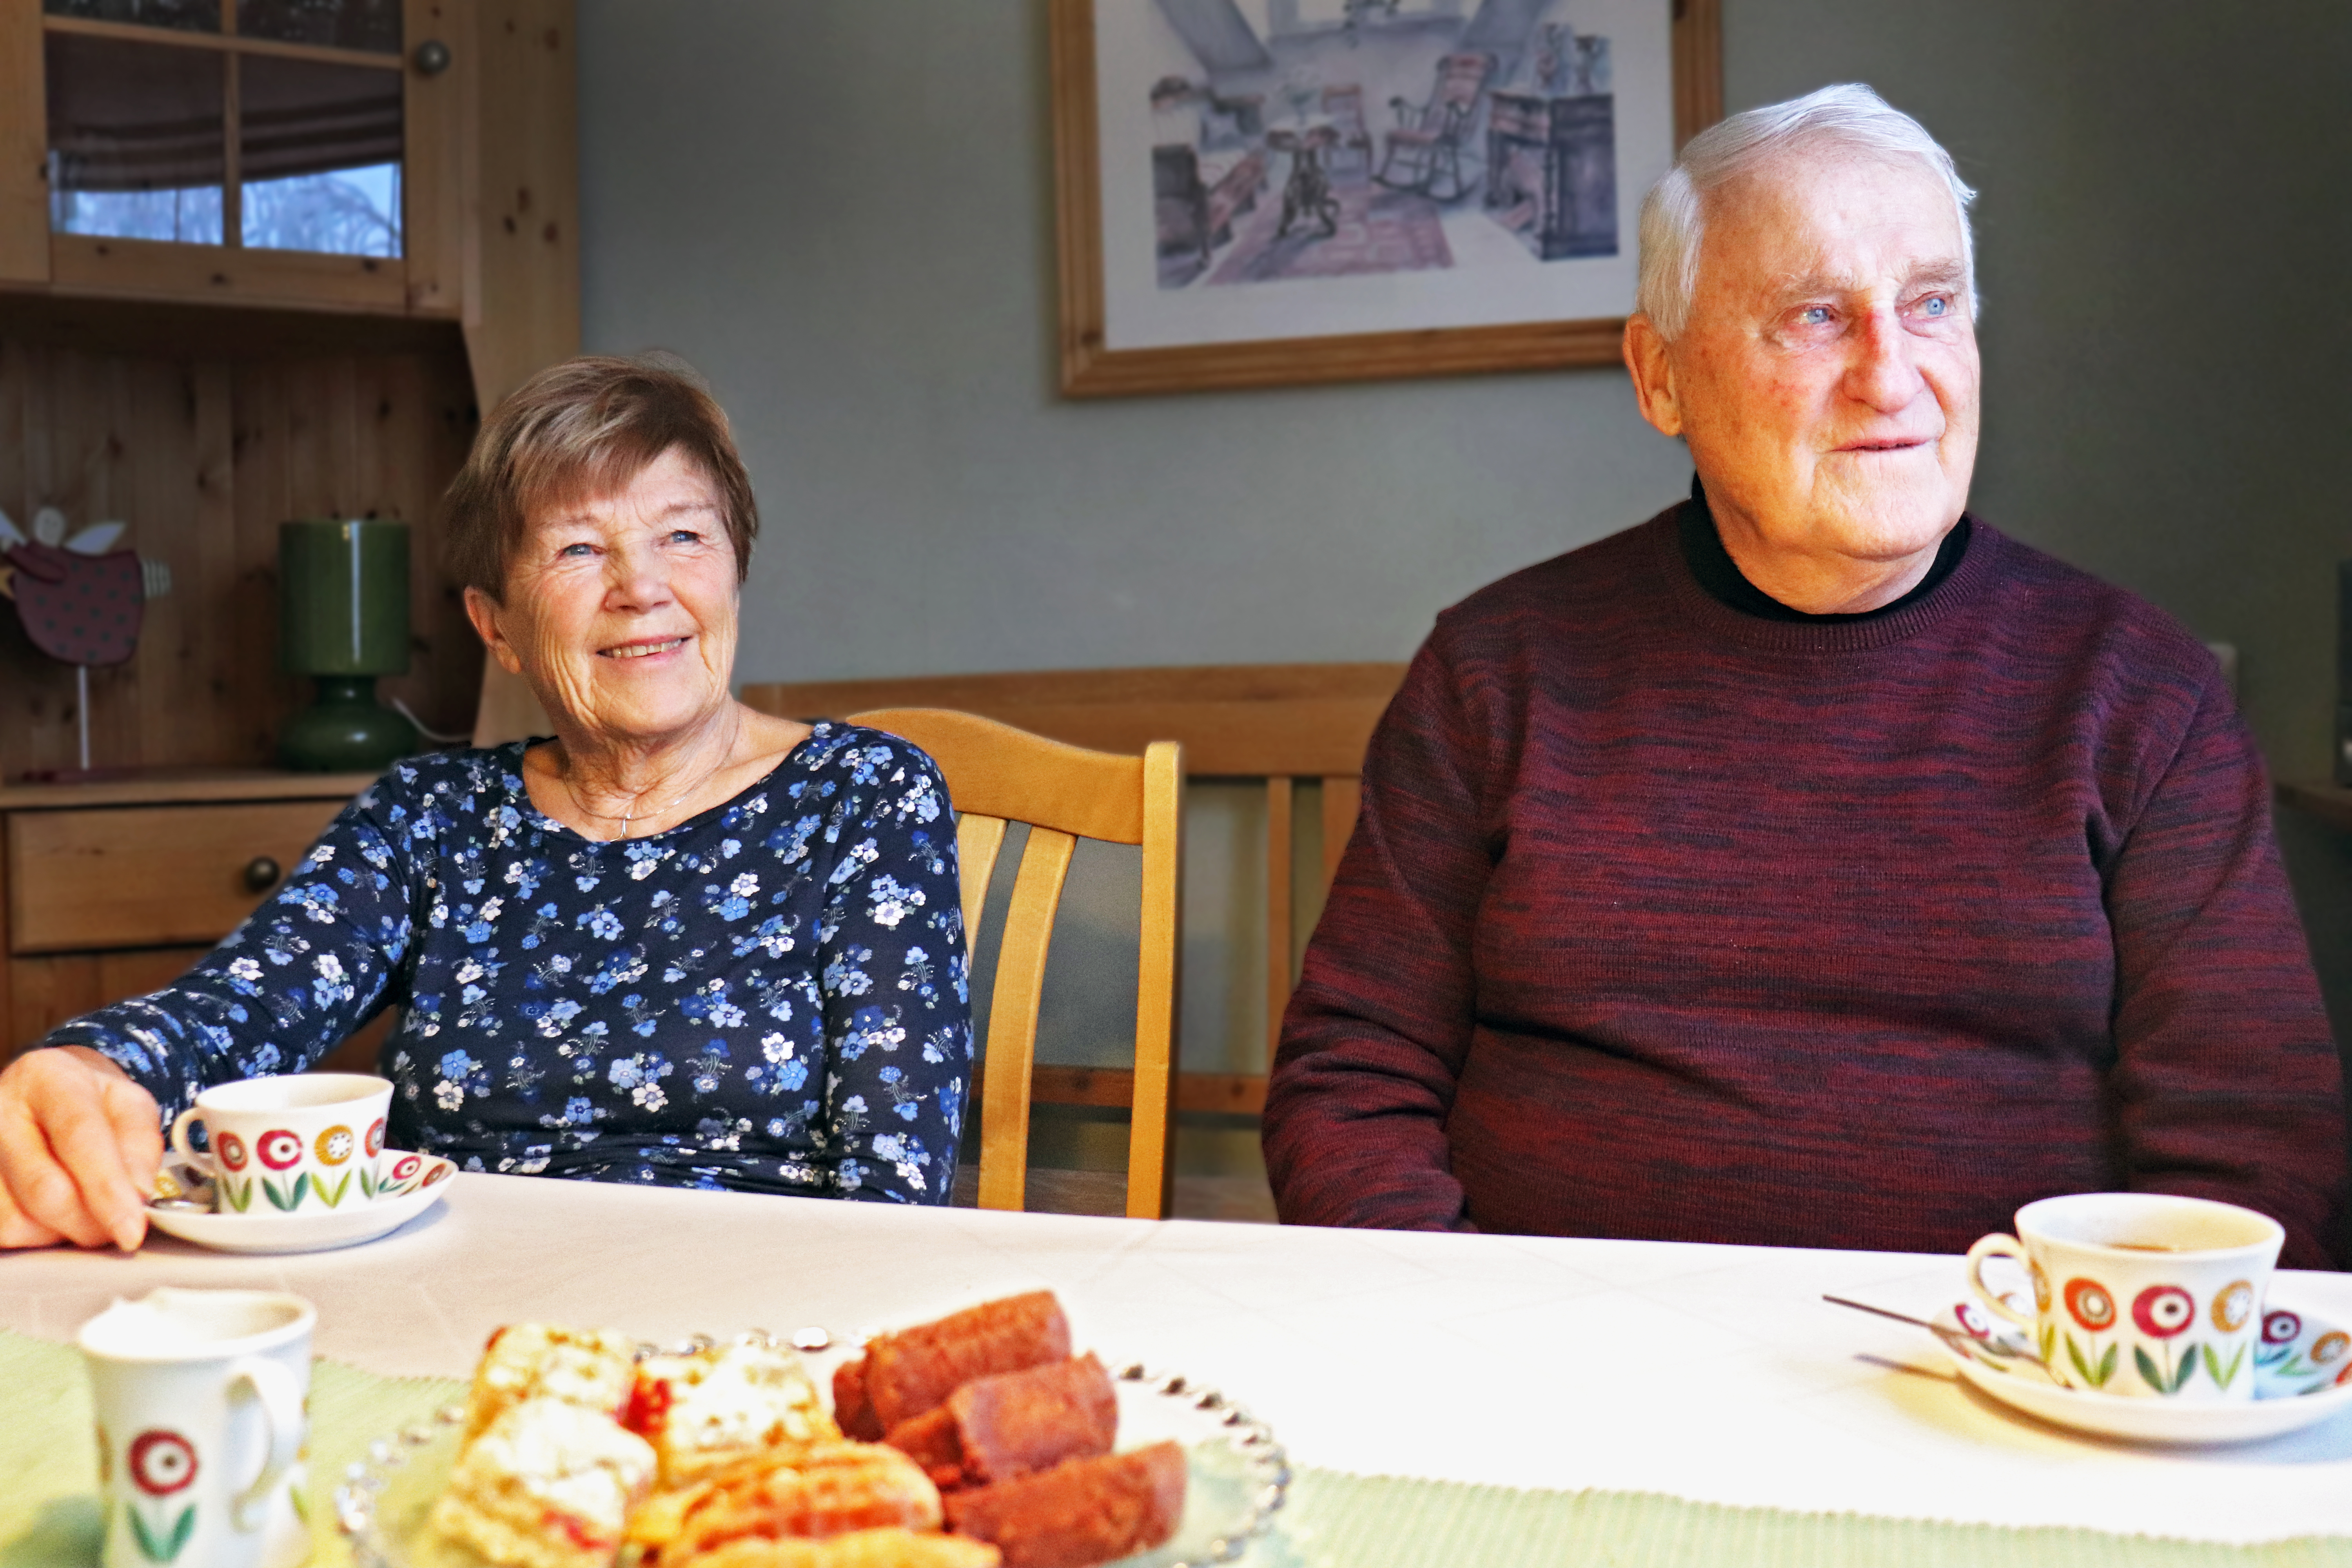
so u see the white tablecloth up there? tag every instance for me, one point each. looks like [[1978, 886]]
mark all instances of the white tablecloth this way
[[1710, 1373]]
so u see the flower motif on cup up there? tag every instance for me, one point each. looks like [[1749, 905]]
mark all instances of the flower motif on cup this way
[[279, 1149], [2163, 1311], [2041, 1287], [335, 1145], [1973, 1320], [2281, 1327], [376, 1138], [439, 1172], [2089, 1302], [231, 1149], [105, 1456], [161, 1463], [2329, 1348], [404, 1167], [2233, 1305]]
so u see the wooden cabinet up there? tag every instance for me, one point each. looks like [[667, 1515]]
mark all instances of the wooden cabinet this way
[[188, 348], [109, 890]]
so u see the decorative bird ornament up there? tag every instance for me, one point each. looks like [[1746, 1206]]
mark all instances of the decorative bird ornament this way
[[81, 601]]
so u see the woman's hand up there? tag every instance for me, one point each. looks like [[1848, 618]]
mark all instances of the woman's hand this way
[[80, 1145]]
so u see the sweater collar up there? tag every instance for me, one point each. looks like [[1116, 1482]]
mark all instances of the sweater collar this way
[[1686, 544]]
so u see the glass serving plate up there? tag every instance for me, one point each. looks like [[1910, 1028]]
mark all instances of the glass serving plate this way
[[1237, 1476]]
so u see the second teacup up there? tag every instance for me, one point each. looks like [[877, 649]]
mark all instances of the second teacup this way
[[302, 1142], [2140, 1293]]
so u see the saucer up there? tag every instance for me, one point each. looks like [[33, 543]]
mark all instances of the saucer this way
[[310, 1231], [2302, 1375]]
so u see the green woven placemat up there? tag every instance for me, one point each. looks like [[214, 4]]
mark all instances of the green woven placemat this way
[[48, 1504], [48, 1450]]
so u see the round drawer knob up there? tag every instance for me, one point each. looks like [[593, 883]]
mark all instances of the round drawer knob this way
[[261, 873], [432, 57]]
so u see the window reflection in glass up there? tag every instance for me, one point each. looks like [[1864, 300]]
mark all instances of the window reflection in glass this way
[[319, 154], [183, 16], [341, 24], [137, 140]]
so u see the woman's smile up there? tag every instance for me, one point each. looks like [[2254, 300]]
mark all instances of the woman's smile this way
[[642, 650]]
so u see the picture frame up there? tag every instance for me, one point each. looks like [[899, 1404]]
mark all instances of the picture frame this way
[[1117, 338]]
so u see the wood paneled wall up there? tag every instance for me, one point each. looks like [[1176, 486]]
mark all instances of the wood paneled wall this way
[[204, 456]]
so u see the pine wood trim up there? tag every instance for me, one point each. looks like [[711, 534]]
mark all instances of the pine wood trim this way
[[434, 111], [213, 274], [224, 42], [1698, 67], [23, 149], [522, 244], [174, 787], [1089, 368]]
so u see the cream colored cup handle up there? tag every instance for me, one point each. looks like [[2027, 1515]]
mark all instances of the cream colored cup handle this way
[[281, 1406], [180, 1148], [1997, 1246]]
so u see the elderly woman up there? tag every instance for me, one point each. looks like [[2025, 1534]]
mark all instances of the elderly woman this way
[[680, 943]]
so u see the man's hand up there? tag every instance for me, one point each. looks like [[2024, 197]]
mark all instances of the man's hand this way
[[79, 1151]]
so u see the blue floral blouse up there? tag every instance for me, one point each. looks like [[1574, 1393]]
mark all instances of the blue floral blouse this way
[[769, 996]]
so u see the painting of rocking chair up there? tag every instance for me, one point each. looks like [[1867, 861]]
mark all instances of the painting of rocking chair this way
[[1424, 153]]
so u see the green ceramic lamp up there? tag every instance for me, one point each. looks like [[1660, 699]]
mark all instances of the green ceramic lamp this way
[[343, 619]]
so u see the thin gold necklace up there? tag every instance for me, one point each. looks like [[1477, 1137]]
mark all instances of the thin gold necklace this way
[[624, 817]]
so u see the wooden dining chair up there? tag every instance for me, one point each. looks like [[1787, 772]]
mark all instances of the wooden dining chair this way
[[996, 775], [1280, 728]]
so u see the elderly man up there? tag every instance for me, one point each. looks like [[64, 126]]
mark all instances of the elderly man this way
[[1812, 865]]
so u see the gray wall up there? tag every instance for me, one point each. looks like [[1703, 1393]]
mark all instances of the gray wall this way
[[840, 210]]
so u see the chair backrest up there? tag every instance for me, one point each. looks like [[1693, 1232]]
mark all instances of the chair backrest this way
[[1344, 106], [1454, 98], [997, 774], [1281, 726]]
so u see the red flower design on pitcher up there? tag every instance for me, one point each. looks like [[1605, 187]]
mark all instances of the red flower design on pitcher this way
[[2163, 1311], [2089, 1302], [2281, 1327], [280, 1149], [161, 1463], [376, 1138], [231, 1149]]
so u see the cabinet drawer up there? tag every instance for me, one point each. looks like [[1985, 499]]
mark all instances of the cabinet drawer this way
[[147, 876]]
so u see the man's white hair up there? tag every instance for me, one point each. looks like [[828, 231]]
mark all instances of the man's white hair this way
[[1849, 116]]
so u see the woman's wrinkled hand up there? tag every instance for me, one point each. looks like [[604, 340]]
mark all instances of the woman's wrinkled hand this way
[[80, 1144]]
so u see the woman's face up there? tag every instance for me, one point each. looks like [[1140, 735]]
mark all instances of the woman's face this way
[[620, 611]]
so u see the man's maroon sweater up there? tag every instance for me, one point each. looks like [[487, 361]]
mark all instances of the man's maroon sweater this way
[[1665, 920]]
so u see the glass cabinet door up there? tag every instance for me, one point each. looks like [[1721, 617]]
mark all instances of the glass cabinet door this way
[[257, 124]]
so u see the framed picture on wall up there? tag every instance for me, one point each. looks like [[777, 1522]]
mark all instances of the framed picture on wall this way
[[1264, 192]]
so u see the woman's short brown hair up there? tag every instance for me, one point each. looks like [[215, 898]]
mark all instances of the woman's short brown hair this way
[[576, 431]]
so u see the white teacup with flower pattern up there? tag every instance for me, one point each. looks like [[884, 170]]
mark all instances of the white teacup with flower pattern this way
[[301, 1144], [2142, 1294]]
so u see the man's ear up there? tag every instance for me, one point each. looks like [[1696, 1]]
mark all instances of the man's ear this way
[[483, 611], [1653, 375]]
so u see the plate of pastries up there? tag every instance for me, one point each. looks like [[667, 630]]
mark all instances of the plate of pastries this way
[[976, 1441]]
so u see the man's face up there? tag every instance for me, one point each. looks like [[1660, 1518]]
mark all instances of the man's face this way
[[1827, 381]]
